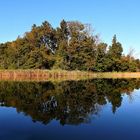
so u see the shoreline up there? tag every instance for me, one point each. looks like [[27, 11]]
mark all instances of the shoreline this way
[[61, 75]]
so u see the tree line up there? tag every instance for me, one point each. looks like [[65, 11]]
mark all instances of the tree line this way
[[71, 46]]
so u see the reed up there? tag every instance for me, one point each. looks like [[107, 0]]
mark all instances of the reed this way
[[60, 75]]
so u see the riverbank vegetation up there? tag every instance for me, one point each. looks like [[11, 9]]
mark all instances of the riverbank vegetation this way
[[61, 75], [71, 46]]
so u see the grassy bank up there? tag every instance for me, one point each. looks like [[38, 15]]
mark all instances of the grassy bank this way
[[43, 75], [60, 75]]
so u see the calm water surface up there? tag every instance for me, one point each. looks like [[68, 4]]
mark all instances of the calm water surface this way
[[72, 110]]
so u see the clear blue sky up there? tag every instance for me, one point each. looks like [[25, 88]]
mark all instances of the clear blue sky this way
[[108, 17]]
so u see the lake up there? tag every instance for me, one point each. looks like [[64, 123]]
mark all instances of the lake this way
[[70, 110]]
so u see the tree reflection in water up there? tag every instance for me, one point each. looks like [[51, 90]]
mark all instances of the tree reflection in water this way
[[70, 102]]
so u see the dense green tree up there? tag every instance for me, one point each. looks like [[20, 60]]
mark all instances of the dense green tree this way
[[113, 56], [71, 46], [115, 50], [77, 51], [101, 60]]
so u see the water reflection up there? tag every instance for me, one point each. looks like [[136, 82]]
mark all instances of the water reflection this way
[[70, 102]]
